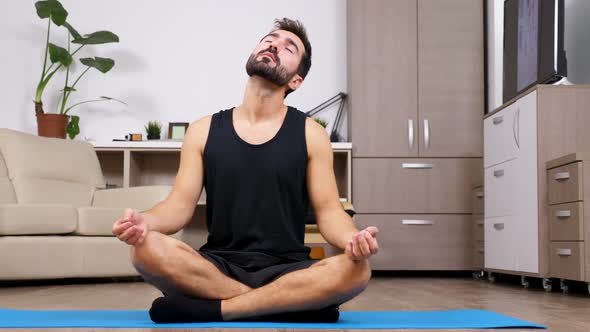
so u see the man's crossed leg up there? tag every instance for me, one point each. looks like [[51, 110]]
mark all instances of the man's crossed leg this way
[[178, 270]]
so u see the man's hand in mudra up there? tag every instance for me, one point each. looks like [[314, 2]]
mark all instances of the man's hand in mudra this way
[[363, 244]]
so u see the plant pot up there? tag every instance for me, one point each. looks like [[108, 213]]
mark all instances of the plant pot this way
[[52, 125], [153, 137]]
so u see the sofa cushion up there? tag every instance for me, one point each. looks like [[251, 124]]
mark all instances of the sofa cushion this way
[[36, 190], [97, 220], [37, 219], [40, 257], [6, 190], [31, 156]]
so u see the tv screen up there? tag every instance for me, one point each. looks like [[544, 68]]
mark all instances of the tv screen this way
[[533, 44], [527, 43]]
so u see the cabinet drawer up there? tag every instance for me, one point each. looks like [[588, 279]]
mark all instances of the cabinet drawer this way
[[566, 222], [500, 137], [478, 227], [421, 242], [567, 260], [565, 183], [413, 186], [478, 255], [499, 243], [500, 189], [478, 200]]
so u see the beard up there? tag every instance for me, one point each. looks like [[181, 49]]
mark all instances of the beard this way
[[276, 75]]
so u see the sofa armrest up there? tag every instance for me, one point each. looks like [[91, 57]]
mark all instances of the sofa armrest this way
[[139, 198]]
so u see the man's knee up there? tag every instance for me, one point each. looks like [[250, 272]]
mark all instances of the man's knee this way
[[149, 254], [354, 276]]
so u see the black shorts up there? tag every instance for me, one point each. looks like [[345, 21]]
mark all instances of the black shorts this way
[[255, 279]]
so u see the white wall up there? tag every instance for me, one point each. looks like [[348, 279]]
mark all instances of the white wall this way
[[176, 60]]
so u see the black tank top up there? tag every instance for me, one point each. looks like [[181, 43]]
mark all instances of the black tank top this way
[[257, 197]]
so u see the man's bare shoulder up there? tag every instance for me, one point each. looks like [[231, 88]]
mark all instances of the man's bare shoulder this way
[[316, 138], [197, 133]]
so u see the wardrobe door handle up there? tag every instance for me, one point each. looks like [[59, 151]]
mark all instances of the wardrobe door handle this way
[[564, 252], [411, 133], [426, 134]]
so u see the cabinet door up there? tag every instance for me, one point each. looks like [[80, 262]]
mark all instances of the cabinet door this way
[[382, 67], [527, 199], [500, 136], [501, 238], [421, 242], [400, 185], [450, 78]]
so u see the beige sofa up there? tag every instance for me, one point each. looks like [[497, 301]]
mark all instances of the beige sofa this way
[[56, 215]]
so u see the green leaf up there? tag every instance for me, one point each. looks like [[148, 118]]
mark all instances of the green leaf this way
[[68, 89], [110, 98], [59, 54], [72, 31], [73, 127], [53, 9], [99, 37], [43, 9], [101, 64]]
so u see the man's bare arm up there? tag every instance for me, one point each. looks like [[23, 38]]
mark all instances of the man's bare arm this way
[[335, 225], [173, 213]]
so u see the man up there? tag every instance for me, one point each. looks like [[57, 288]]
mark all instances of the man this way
[[261, 164]]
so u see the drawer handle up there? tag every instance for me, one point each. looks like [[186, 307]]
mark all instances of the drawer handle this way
[[564, 252], [480, 251], [562, 176], [499, 226], [497, 120], [499, 173], [417, 222], [479, 194], [480, 222], [417, 166], [563, 214]]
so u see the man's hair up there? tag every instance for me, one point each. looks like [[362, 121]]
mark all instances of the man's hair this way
[[297, 28]]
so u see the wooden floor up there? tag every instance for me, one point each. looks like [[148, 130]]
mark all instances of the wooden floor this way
[[561, 312]]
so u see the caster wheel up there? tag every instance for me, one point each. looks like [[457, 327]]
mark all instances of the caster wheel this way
[[491, 277], [547, 285], [563, 286], [524, 282]]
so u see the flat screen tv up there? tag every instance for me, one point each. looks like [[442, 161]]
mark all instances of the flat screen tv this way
[[533, 45]]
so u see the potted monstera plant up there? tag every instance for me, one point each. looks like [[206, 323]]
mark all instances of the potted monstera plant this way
[[55, 124]]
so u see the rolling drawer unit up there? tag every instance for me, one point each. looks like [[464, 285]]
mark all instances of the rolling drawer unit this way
[[478, 230], [568, 180]]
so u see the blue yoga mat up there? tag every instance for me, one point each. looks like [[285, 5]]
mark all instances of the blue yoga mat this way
[[448, 319]]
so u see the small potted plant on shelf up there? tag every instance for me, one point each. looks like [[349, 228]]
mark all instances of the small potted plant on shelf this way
[[321, 121], [56, 125], [153, 129]]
